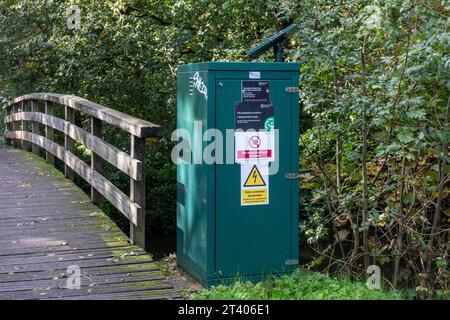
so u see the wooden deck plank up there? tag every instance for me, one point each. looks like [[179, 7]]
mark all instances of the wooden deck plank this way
[[86, 272], [48, 224], [60, 281], [37, 251], [60, 244], [57, 247], [53, 257], [144, 295], [62, 293]]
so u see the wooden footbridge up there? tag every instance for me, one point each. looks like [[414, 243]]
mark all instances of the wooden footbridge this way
[[55, 243]]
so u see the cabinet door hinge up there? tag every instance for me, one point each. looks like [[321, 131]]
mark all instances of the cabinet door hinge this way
[[291, 89], [292, 175], [291, 262]]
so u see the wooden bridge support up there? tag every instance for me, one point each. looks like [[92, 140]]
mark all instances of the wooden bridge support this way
[[49, 132], [137, 192], [23, 125], [69, 115], [96, 160], [35, 125]]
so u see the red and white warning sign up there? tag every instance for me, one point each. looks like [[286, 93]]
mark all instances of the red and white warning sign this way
[[254, 145]]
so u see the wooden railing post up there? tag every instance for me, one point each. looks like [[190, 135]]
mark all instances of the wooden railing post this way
[[137, 193], [96, 161], [23, 125], [34, 125], [8, 127], [15, 124], [68, 141], [49, 132]]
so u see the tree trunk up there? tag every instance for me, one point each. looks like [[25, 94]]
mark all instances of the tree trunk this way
[[338, 135], [401, 229], [438, 207], [365, 196]]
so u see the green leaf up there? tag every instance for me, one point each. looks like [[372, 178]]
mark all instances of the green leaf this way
[[405, 136], [418, 114]]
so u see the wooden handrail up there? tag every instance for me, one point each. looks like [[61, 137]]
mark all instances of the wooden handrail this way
[[18, 115], [134, 126]]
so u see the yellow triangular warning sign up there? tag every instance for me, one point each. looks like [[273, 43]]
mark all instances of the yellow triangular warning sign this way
[[254, 179]]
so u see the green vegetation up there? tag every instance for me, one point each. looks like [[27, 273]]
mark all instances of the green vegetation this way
[[298, 286], [375, 109]]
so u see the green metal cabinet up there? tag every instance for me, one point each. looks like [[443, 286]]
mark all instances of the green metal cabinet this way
[[218, 239]]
